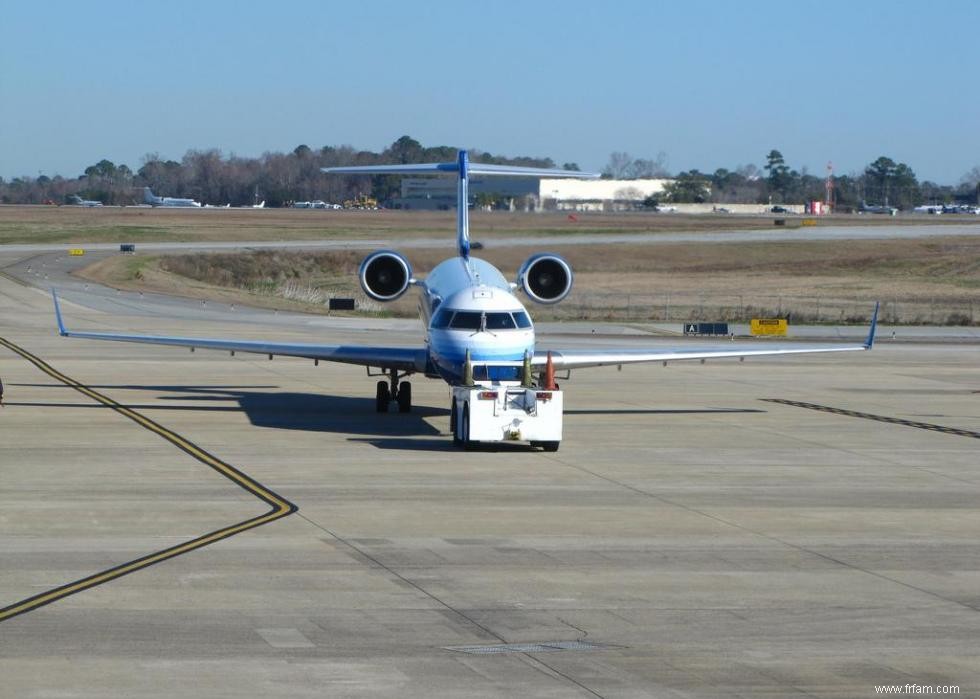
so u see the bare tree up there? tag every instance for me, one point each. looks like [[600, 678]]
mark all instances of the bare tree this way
[[972, 178], [618, 165]]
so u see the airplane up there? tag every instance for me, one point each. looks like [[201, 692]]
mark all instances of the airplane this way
[[877, 209], [476, 328], [150, 198], [78, 201], [315, 204]]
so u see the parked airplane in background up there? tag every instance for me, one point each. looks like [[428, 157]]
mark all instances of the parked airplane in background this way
[[476, 329], [929, 209], [78, 201], [877, 209], [150, 198], [316, 204]]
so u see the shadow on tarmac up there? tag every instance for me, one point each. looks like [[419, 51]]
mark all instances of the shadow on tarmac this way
[[316, 412], [311, 412]]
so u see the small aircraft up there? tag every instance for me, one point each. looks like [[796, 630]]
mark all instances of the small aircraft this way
[[150, 198], [476, 328], [78, 201], [877, 209]]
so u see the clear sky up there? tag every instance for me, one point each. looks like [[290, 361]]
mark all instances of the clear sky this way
[[711, 83]]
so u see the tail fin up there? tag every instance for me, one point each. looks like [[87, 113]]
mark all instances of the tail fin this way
[[463, 206], [462, 168], [148, 197]]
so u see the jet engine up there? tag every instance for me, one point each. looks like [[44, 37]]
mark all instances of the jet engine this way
[[545, 277], [385, 275]]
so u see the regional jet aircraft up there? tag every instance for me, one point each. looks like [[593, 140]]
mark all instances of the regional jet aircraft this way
[[78, 201], [153, 200], [476, 328]]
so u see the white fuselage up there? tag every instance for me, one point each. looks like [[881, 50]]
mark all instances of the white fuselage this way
[[182, 203], [468, 306]]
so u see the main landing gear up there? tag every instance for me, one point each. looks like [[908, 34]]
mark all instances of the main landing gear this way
[[392, 390]]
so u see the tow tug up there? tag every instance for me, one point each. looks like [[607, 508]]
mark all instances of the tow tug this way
[[484, 409]]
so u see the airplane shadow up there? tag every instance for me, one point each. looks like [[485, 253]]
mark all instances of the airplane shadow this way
[[285, 410], [316, 412]]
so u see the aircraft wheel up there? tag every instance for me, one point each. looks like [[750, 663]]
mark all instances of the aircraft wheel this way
[[382, 397], [405, 397]]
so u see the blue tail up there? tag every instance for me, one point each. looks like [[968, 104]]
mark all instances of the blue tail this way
[[463, 207]]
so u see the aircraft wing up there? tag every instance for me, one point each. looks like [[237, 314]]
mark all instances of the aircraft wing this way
[[401, 358], [580, 359]]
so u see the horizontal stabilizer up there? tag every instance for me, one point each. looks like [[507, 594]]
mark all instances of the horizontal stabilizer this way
[[452, 169]]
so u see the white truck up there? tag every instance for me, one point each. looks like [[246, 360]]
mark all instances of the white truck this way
[[506, 411]]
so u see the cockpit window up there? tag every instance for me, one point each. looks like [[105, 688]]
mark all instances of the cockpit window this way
[[466, 320], [442, 318], [499, 321], [470, 320]]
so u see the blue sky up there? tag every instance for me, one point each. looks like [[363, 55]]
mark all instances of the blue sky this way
[[712, 83]]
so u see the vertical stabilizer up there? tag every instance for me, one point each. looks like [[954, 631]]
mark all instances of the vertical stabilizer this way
[[463, 207]]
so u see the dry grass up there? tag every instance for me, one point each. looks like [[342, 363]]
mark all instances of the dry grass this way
[[920, 281], [70, 225]]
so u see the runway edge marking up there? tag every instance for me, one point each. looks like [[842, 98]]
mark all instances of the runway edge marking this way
[[878, 418], [280, 506]]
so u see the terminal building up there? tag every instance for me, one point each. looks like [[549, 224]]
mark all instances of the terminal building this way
[[529, 193]]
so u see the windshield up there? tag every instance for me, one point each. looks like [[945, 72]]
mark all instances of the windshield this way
[[442, 318], [500, 321], [496, 373], [470, 320], [466, 320]]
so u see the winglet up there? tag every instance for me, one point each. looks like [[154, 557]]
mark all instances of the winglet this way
[[57, 314], [869, 343]]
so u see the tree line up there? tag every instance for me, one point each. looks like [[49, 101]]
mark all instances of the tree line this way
[[212, 178], [282, 178], [883, 182]]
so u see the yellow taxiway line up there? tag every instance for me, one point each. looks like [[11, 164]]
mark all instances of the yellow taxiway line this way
[[280, 506]]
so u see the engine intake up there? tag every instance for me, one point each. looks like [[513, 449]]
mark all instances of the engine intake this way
[[385, 275], [545, 277]]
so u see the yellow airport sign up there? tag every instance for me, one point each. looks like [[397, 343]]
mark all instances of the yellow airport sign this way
[[769, 326], [76, 252], [808, 222]]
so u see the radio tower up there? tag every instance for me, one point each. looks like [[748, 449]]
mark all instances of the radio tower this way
[[829, 187]]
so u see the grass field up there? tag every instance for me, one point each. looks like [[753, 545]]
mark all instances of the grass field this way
[[75, 225], [934, 281]]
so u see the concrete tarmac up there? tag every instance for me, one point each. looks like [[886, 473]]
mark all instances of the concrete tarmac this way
[[712, 543]]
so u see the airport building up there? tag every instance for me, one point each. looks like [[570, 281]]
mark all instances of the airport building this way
[[529, 193]]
